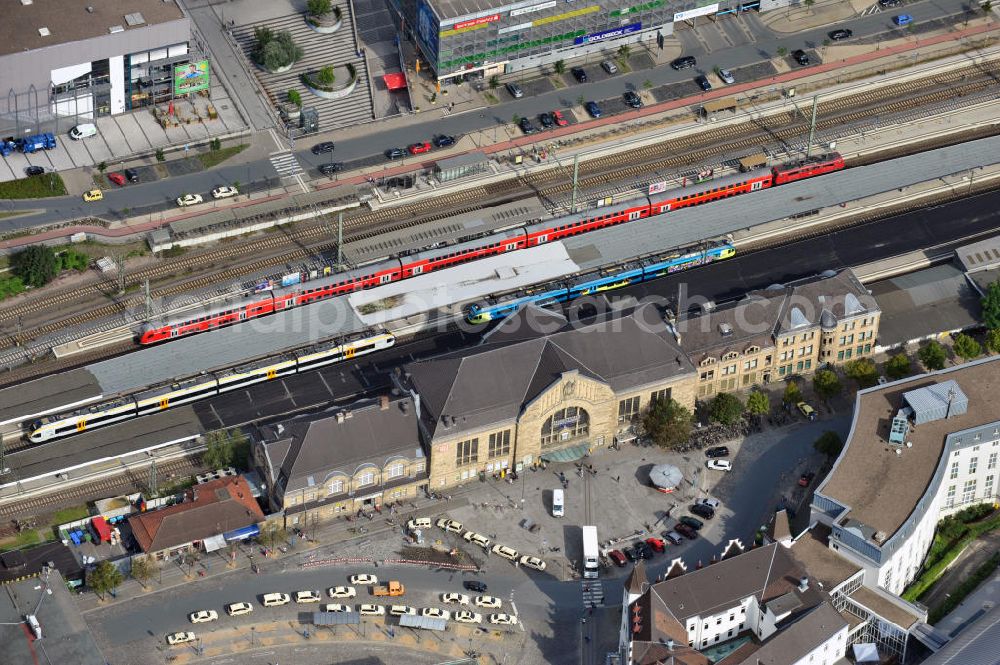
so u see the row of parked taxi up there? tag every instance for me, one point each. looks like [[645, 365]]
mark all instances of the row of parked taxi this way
[[503, 551]]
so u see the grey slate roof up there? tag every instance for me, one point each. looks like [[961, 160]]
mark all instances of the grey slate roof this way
[[975, 645], [304, 451], [491, 383], [796, 640]]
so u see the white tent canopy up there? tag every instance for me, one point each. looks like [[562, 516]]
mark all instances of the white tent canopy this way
[[865, 652]]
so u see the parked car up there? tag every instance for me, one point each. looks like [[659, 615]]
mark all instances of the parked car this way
[[364, 579], [468, 616], [337, 607], [443, 141], [515, 90], [34, 170], [117, 178], [658, 545], [609, 67], [180, 638], [508, 553], [474, 585], [673, 537], [806, 478], [419, 148], [93, 195], [203, 616], [701, 510], [477, 539], [727, 76], [800, 57], [131, 175], [710, 502], [224, 192], [684, 62], [545, 120], [720, 465], [371, 610], [402, 610], [618, 558], [840, 33], [331, 168], [685, 531], [703, 83], [342, 592], [503, 620], [449, 525], [274, 599], [324, 147], [580, 74], [806, 410], [559, 119], [489, 602], [593, 109], [526, 126], [395, 153], [307, 597], [189, 200], [642, 550], [902, 19], [435, 613], [239, 609], [532, 562], [717, 451], [632, 99], [630, 554], [692, 522], [83, 131]]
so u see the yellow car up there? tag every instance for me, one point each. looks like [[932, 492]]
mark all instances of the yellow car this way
[[93, 195]]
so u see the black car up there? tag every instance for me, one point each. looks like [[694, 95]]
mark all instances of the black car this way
[[643, 550], [330, 169], [684, 62], [703, 83], [630, 554], [444, 141], [842, 33], [546, 120], [131, 175], [888, 3], [580, 74], [692, 522], [701, 510], [718, 451], [800, 57], [320, 148], [526, 126], [34, 170], [474, 585], [395, 153], [632, 100], [685, 531]]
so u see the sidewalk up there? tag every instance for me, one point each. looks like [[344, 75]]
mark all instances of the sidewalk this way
[[975, 555]]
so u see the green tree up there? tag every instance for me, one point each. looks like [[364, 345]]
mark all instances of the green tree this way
[[782, 51], [494, 82], [758, 403], [993, 340], [966, 347], [793, 394], [624, 51], [295, 98], [271, 534], [226, 448], [70, 259], [143, 569], [319, 8], [667, 423], [987, 6], [726, 408], [36, 265], [932, 355], [991, 306], [560, 66], [160, 157], [829, 444], [808, 3], [863, 371], [826, 384], [102, 167], [326, 77], [104, 577], [898, 367]]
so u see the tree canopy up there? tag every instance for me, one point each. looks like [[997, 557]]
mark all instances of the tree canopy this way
[[793, 393], [991, 306], [826, 384], [36, 265], [932, 355], [898, 366], [758, 403], [667, 423], [993, 340], [104, 577], [863, 371], [274, 50], [726, 408], [226, 448], [966, 347], [829, 444]]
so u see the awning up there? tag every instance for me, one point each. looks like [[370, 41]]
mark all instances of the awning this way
[[336, 618], [213, 543], [427, 623], [395, 81], [571, 454], [242, 534]]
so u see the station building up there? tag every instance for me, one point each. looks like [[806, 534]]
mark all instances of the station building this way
[[487, 37], [84, 59]]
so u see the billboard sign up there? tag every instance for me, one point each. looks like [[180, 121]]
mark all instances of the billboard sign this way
[[533, 8], [608, 34], [693, 13], [291, 278], [427, 30], [657, 187], [492, 18], [191, 77]]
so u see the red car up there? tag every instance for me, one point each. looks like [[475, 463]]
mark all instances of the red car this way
[[806, 478], [658, 545], [560, 120], [117, 178], [418, 148], [618, 558]]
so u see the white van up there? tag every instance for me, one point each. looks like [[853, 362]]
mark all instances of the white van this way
[[83, 131], [558, 503]]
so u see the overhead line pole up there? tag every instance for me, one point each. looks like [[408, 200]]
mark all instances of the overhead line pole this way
[[812, 126], [576, 178]]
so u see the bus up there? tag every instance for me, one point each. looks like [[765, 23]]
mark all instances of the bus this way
[[591, 553]]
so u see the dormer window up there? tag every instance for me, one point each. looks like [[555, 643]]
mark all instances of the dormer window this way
[[707, 361], [751, 350]]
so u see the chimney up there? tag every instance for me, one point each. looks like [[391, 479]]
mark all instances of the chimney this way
[[803, 584], [383, 402]]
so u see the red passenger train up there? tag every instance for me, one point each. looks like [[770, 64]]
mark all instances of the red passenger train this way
[[394, 269]]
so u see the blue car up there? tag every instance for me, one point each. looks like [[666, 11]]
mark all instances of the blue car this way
[[902, 19], [593, 109]]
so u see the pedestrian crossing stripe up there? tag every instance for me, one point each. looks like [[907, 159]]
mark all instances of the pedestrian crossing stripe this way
[[286, 164]]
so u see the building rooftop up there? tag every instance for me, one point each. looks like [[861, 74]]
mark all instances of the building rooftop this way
[[975, 645], [446, 9], [880, 488], [18, 564], [75, 20], [812, 549], [209, 509], [980, 255], [884, 608], [796, 640]]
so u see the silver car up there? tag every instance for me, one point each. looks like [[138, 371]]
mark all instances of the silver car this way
[[727, 76]]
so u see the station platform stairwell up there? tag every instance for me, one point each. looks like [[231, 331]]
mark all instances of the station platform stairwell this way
[[319, 50]]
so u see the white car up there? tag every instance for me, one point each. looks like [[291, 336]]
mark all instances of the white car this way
[[180, 638], [342, 592], [307, 597], [364, 579], [720, 464], [468, 616], [337, 607], [435, 613], [450, 525], [711, 503], [477, 539], [459, 598], [419, 523], [402, 610], [224, 192], [489, 602], [503, 620], [239, 609], [273, 599], [508, 553], [189, 200], [532, 562], [371, 610], [203, 616], [727, 76]]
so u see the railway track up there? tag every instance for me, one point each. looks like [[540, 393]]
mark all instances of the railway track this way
[[311, 238]]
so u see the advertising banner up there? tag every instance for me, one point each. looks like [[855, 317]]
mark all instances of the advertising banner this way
[[427, 30], [657, 187], [700, 11], [292, 278], [492, 18], [608, 34], [191, 77], [532, 8]]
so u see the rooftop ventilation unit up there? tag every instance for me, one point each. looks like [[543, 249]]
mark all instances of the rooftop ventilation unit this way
[[134, 19], [725, 329], [116, 28], [44, 32], [26, 2], [90, 10]]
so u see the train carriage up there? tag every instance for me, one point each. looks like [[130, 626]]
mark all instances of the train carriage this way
[[710, 190], [325, 354], [96, 415], [807, 168], [174, 394], [421, 263], [571, 225], [256, 372]]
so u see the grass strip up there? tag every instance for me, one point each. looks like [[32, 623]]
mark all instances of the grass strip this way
[[981, 574], [35, 187], [215, 157]]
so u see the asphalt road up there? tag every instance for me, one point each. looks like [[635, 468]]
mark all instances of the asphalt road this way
[[153, 197]]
